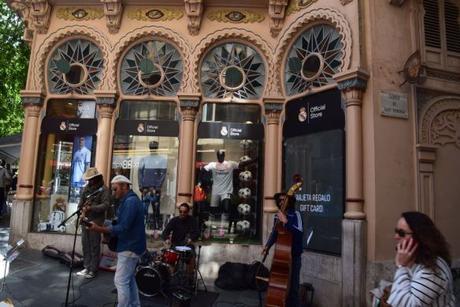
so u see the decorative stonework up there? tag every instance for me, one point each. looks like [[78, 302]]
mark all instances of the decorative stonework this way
[[235, 16], [51, 41], [189, 105], [297, 5], [75, 13], [227, 34], [345, 2], [276, 11], [40, 12], [440, 124], [194, 10], [445, 128], [113, 11], [159, 32], [156, 14], [273, 108], [330, 16]]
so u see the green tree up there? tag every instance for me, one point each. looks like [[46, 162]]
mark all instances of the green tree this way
[[14, 61]]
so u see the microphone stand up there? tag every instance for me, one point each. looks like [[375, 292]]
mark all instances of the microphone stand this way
[[77, 213]]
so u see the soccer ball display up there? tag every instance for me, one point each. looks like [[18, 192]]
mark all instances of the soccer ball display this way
[[246, 143], [244, 209], [245, 159], [244, 193], [243, 226], [245, 176]]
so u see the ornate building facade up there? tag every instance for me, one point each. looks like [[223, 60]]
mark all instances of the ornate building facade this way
[[362, 98]]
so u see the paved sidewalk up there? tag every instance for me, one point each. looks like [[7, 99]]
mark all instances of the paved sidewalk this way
[[36, 280]]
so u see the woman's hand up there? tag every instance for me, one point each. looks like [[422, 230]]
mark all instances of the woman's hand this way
[[405, 252]]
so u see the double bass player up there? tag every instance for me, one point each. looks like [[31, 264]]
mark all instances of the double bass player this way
[[291, 223]]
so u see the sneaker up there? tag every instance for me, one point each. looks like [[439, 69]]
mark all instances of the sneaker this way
[[82, 272], [90, 275]]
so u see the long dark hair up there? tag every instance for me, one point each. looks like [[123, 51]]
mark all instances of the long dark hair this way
[[431, 242]]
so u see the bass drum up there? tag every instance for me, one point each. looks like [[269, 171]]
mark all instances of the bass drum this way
[[152, 279]]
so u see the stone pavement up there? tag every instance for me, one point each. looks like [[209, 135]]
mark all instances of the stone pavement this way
[[36, 280]]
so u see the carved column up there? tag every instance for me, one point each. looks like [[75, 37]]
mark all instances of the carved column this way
[[426, 156], [32, 103], [21, 214], [189, 105], [273, 108], [353, 84], [105, 102]]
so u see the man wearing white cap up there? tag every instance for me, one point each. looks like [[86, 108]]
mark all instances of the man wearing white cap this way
[[94, 202], [130, 230]]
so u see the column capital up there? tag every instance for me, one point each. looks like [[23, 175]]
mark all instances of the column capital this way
[[32, 98], [106, 97], [189, 100], [353, 79]]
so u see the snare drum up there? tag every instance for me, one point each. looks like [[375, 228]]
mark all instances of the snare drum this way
[[185, 253], [170, 257], [152, 279]]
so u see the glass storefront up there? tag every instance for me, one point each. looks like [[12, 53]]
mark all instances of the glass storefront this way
[[146, 151], [229, 165], [66, 150], [314, 144]]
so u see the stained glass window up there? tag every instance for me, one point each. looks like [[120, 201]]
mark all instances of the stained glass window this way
[[152, 67], [233, 70], [313, 59], [75, 66]]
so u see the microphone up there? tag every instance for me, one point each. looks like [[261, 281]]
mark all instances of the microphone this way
[[94, 193]]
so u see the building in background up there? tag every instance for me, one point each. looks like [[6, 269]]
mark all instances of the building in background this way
[[362, 98]]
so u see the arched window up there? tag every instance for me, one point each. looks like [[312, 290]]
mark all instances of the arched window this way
[[151, 67], [313, 59], [75, 66], [232, 70]]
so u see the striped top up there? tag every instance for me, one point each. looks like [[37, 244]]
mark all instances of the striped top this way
[[421, 286]]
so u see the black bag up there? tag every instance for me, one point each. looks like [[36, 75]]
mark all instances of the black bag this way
[[240, 276], [63, 257]]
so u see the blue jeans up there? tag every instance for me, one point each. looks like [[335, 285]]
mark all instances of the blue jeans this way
[[125, 281], [293, 296]]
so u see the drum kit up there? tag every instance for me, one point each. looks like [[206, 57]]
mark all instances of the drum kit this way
[[158, 273]]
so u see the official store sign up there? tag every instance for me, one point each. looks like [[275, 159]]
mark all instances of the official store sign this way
[[147, 127], [393, 104], [228, 130], [73, 126], [314, 113]]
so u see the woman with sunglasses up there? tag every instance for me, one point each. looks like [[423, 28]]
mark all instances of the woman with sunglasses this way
[[423, 277]]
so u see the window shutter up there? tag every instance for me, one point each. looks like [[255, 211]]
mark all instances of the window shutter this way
[[452, 20], [431, 23]]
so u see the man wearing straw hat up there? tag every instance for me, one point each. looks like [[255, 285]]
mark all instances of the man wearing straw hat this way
[[94, 202]]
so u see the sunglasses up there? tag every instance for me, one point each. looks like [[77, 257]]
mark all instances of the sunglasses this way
[[401, 233]]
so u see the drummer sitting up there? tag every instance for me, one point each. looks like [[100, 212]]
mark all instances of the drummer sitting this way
[[180, 232], [184, 228]]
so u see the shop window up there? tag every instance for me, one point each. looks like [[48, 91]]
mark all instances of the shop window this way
[[314, 148], [75, 67], [313, 60], [233, 70], [146, 150], [229, 165], [151, 67], [66, 150]]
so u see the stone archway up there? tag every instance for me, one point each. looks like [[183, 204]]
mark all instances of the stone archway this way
[[438, 155]]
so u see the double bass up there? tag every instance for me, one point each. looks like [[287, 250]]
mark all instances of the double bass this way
[[280, 272]]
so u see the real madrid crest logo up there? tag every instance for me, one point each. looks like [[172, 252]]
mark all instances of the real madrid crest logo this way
[[140, 127], [303, 115], [63, 126], [224, 131]]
